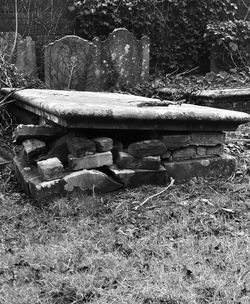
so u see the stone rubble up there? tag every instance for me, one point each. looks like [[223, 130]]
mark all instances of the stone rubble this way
[[103, 144], [33, 147], [50, 169], [147, 148], [90, 161], [64, 163], [128, 161], [41, 132], [93, 180]]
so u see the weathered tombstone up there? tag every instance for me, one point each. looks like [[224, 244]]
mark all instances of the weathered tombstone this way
[[145, 42], [71, 63], [26, 56], [123, 60], [7, 42], [74, 63]]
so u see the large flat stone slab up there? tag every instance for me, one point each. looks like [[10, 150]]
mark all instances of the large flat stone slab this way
[[240, 93], [230, 99], [121, 111]]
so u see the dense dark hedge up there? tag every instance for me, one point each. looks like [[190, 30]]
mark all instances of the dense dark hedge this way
[[176, 27]]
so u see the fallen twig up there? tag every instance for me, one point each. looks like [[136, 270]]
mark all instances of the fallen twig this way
[[171, 74], [157, 194], [188, 72], [5, 163], [9, 95]]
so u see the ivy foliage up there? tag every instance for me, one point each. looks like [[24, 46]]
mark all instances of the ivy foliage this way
[[230, 42], [176, 27]]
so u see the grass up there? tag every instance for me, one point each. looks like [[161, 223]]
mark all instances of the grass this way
[[189, 245]]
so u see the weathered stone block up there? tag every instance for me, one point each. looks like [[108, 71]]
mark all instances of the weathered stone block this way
[[133, 178], [166, 155], [213, 166], [23, 132], [90, 161], [217, 150], [24, 172], [127, 161], [201, 151], [81, 146], [207, 138], [149, 177], [103, 144], [31, 183], [123, 175], [147, 148], [33, 147], [93, 180], [185, 153], [44, 191], [50, 169], [173, 142]]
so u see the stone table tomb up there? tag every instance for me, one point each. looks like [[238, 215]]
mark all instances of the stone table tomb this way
[[106, 141]]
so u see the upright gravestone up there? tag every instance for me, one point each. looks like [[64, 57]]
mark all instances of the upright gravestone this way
[[145, 44], [74, 63], [71, 63], [123, 60], [26, 56]]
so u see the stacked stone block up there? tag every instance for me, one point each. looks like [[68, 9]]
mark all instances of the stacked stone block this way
[[53, 161]]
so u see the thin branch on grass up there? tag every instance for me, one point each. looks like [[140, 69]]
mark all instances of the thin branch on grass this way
[[157, 194]]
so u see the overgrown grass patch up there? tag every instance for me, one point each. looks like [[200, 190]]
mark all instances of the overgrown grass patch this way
[[189, 245]]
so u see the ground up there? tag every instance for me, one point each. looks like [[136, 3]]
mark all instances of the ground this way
[[188, 245]]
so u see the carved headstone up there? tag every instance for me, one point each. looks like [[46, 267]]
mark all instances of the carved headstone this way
[[26, 56], [71, 63], [123, 60]]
